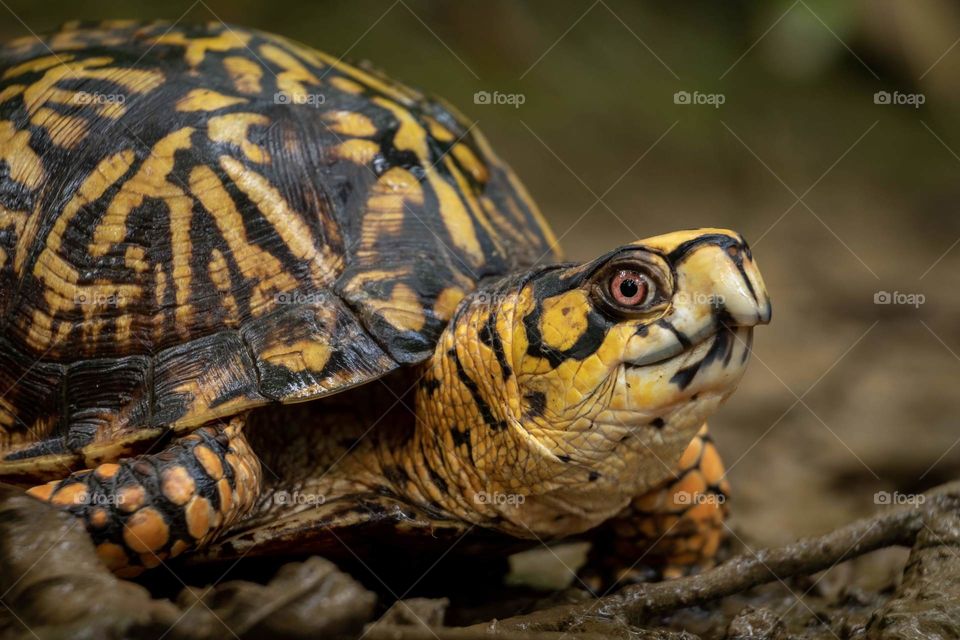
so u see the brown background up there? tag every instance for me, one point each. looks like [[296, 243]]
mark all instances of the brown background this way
[[844, 397]]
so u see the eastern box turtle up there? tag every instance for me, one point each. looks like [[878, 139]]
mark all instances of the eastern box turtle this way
[[202, 225]]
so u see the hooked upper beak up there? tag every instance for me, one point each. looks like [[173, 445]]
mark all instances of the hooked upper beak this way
[[744, 295], [719, 261]]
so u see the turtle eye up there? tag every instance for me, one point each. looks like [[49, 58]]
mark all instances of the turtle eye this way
[[630, 288]]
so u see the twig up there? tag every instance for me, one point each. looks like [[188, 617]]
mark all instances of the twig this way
[[896, 526], [393, 632]]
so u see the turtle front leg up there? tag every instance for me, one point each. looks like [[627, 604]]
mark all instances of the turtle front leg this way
[[670, 531], [142, 510]]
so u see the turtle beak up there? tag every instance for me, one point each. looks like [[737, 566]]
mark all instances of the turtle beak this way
[[741, 291], [716, 265]]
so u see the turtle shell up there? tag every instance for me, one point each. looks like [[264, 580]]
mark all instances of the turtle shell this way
[[197, 220]]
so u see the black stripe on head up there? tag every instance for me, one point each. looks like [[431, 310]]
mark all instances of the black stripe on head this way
[[598, 325], [722, 347], [491, 338], [462, 438], [679, 335], [684, 249], [538, 403], [471, 385]]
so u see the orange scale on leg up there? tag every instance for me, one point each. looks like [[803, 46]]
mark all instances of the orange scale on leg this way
[[43, 491], [107, 470], [151, 560], [178, 547], [177, 485], [112, 555], [98, 518], [71, 494], [209, 461], [226, 495], [129, 572], [130, 498], [146, 530], [198, 515]]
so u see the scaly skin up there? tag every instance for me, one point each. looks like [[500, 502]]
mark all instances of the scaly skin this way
[[531, 391]]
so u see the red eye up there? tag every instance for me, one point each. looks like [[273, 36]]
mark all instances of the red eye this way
[[629, 288]]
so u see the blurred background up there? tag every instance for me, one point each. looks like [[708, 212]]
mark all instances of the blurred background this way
[[825, 132]]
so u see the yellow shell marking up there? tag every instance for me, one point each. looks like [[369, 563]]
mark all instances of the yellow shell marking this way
[[107, 173], [134, 259], [403, 310], [234, 129], [347, 85], [46, 89], [196, 48], [37, 64], [358, 151], [149, 182], [206, 100], [411, 136], [219, 272], [11, 92], [387, 207], [469, 161], [289, 225], [245, 73], [291, 80], [254, 263], [62, 290], [64, 131], [350, 123], [447, 302], [15, 220], [24, 165], [301, 355], [394, 90]]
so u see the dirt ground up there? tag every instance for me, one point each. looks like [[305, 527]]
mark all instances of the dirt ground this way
[[850, 402]]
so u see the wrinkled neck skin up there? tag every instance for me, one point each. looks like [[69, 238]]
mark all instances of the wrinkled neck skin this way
[[550, 440]]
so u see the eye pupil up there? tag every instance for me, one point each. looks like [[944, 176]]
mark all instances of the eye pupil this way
[[629, 288]]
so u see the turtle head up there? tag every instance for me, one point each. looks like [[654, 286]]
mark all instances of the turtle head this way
[[602, 373]]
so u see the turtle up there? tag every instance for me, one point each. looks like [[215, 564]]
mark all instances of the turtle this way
[[256, 301]]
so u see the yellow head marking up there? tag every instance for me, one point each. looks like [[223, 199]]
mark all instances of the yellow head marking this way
[[564, 319]]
